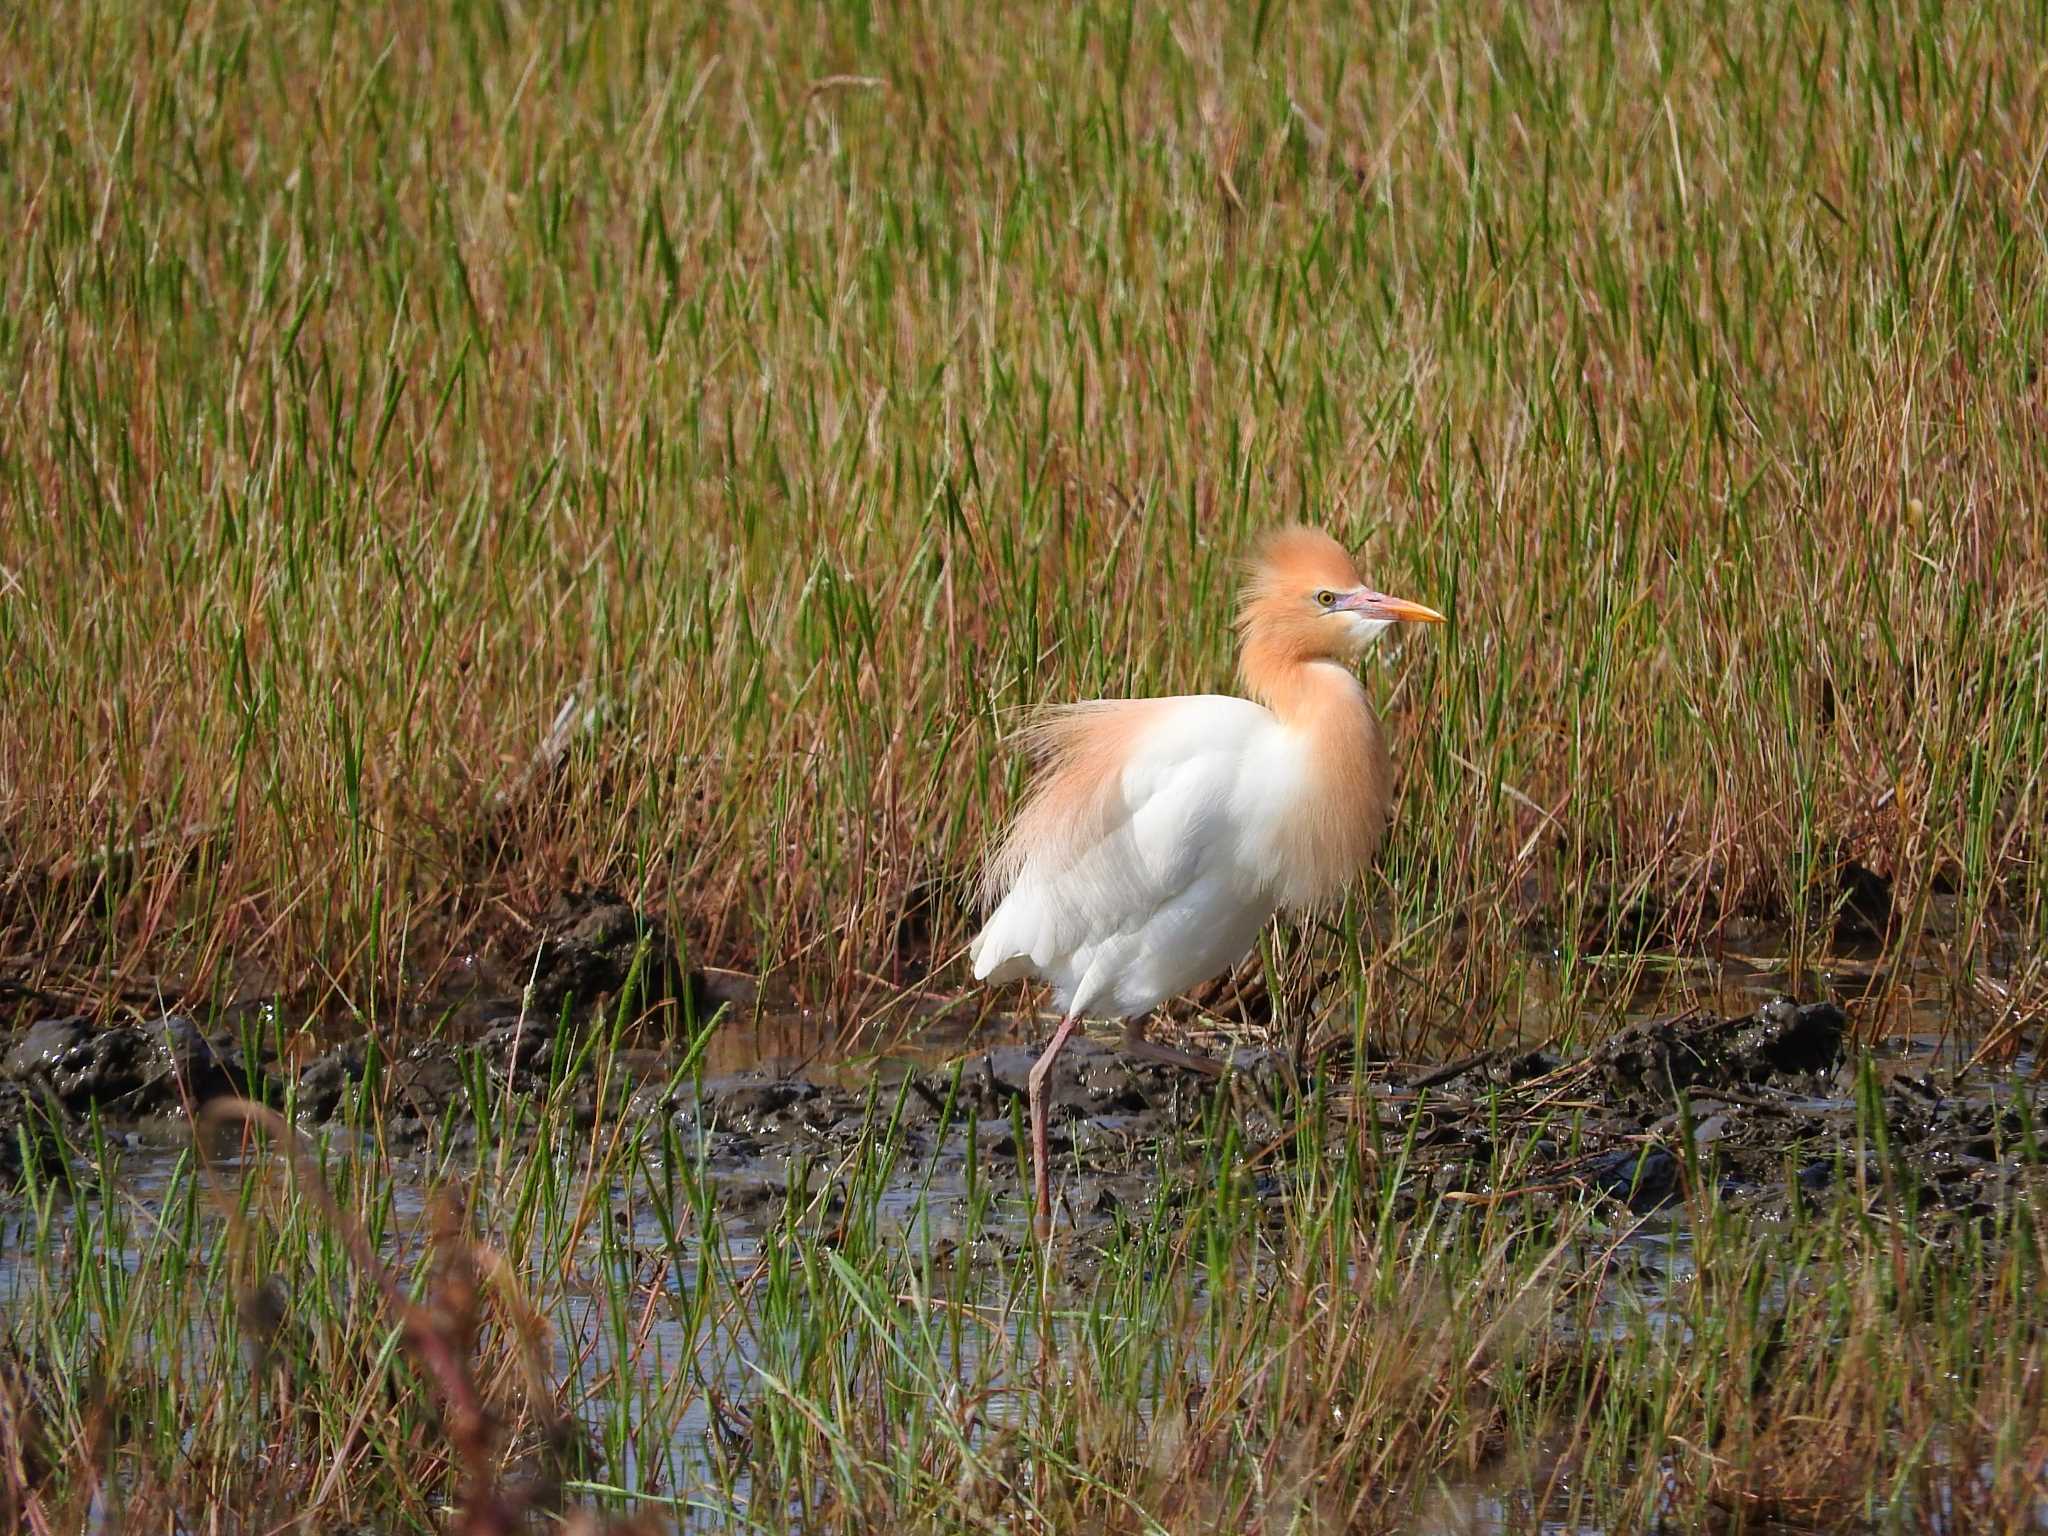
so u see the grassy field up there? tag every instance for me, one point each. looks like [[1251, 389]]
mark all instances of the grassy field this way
[[449, 452]]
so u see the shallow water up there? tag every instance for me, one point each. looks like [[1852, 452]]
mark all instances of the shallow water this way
[[945, 1194], [691, 1476], [696, 1479]]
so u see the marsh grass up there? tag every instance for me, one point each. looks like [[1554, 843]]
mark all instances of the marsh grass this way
[[453, 452], [560, 1319]]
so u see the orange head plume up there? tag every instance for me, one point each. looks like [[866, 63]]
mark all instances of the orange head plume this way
[[1304, 602]]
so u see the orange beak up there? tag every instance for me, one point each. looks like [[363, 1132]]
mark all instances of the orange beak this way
[[1377, 605]]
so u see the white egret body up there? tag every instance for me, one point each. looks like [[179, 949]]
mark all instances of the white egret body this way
[[1163, 834]]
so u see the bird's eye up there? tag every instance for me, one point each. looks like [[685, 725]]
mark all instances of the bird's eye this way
[[1325, 597]]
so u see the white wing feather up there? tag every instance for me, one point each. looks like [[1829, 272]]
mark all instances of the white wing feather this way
[[1174, 880]]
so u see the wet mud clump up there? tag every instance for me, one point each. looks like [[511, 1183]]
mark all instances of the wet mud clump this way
[[26, 1144], [592, 944], [1769, 1109], [161, 1066], [1784, 1045], [60, 1072]]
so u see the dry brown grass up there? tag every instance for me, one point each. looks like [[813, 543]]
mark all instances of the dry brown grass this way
[[759, 413]]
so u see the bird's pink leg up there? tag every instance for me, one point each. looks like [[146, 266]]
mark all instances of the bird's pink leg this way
[[1040, 1173], [1135, 1044]]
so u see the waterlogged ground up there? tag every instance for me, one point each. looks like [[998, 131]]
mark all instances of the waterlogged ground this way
[[1772, 1106], [697, 1196], [1770, 1103]]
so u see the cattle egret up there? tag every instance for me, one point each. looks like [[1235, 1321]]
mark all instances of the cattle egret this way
[[1162, 834]]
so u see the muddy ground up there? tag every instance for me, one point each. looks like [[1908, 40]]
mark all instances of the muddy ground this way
[[1773, 1108]]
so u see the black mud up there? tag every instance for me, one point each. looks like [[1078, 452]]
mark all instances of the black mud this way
[[1769, 1109]]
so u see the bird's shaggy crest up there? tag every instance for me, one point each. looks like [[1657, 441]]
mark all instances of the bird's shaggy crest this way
[[1298, 559]]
